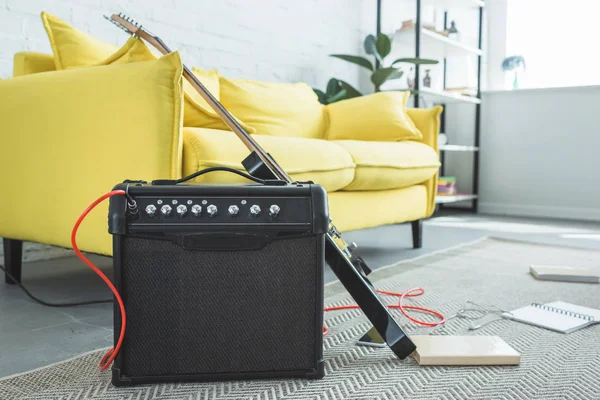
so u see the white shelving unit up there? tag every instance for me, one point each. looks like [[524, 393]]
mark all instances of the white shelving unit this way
[[457, 147], [429, 44], [454, 199], [437, 96], [433, 96], [454, 4], [434, 45]]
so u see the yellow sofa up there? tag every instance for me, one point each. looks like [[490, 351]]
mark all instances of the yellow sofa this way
[[69, 136]]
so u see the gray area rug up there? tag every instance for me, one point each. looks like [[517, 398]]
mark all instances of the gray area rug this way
[[489, 272]]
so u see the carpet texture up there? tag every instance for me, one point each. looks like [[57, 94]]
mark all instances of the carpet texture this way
[[489, 272]]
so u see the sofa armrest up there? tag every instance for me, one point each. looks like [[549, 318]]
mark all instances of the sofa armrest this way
[[67, 137], [29, 62], [427, 121]]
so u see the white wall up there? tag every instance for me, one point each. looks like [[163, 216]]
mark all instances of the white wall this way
[[540, 153], [270, 40], [495, 44], [538, 147]]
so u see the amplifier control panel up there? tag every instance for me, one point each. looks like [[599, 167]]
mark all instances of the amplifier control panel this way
[[211, 210]]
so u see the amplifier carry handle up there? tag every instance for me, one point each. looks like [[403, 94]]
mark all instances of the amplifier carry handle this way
[[274, 182]]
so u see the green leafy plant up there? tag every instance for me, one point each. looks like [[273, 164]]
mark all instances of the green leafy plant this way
[[380, 47], [336, 90]]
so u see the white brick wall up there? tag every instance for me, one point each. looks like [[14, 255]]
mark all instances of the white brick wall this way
[[273, 40]]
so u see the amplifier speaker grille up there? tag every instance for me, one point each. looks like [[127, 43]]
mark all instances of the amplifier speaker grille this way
[[201, 312]]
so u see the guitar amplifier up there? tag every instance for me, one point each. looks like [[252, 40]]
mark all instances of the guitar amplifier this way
[[219, 282]]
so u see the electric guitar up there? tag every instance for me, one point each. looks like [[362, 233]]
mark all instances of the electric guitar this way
[[351, 270]]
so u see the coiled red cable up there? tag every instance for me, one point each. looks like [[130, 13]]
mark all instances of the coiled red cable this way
[[112, 353], [414, 292]]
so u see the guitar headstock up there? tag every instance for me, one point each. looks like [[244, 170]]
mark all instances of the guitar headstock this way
[[133, 28], [125, 23]]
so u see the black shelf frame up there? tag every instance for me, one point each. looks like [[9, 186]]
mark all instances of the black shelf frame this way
[[475, 153]]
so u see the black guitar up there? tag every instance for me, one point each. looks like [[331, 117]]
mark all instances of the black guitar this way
[[351, 270]]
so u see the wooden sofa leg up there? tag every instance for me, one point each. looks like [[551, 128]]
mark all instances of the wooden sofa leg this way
[[417, 233], [13, 253]]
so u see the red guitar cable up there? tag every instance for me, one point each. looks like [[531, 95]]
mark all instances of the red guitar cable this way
[[109, 357], [112, 353], [414, 292]]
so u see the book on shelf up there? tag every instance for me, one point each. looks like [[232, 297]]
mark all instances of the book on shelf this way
[[446, 186]]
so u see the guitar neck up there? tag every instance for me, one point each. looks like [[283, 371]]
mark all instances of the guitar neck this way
[[225, 115]]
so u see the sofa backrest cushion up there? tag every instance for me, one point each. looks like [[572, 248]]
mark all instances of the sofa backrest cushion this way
[[75, 49], [275, 109], [379, 117]]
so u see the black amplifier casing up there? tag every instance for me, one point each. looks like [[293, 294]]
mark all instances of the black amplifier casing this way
[[221, 297]]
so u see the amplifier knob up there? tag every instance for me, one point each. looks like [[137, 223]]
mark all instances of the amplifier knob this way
[[151, 210], [166, 210], [196, 210], [234, 210], [212, 210], [274, 210], [255, 210], [181, 210]]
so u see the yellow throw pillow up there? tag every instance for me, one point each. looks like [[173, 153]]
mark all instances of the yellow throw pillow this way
[[196, 110], [377, 117], [276, 109], [73, 47]]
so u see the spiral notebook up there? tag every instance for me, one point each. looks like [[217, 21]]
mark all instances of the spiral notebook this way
[[557, 316]]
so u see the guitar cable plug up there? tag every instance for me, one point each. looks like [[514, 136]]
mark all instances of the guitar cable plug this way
[[132, 204]]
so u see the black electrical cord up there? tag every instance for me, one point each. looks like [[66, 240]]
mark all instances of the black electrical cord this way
[[48, 304], [132, 204], [206, 171], [226, 169]]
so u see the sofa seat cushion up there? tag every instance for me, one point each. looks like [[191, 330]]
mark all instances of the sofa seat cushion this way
[[390, 165], [303, 159]]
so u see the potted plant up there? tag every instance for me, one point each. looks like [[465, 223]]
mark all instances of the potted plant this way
[[380, 47], [336, 90]]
